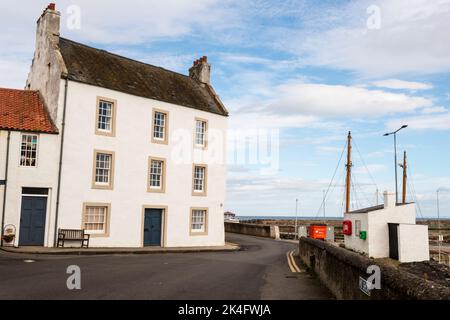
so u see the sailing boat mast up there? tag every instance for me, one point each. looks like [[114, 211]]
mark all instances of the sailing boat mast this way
[[404, 166], [349, 172]]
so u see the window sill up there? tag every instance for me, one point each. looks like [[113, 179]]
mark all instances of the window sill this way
[[194, 234], [102, 187], [199, 194], [151, 190], [159, 141]]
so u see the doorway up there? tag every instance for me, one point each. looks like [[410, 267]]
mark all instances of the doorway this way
[[32, 221], [153, 227], [393, 240]]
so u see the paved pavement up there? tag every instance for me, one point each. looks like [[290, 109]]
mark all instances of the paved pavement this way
[[260, 270], [112, 251]]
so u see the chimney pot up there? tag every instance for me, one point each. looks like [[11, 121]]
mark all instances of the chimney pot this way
[[389, 200], [201, 70], [51, 6]]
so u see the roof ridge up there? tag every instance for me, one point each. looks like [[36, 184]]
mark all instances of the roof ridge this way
[[127, 58], [21, 90]]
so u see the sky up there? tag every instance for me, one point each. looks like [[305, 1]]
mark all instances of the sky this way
[[296, 76]]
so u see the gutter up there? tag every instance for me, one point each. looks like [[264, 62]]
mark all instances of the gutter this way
[[6, 187], [61, 152]]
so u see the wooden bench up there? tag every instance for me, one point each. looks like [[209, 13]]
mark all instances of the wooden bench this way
[[73, 235]]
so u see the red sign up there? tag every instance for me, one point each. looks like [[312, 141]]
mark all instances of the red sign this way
[[347, 227]]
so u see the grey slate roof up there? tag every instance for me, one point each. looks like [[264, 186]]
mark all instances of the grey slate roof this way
[[103, 69]]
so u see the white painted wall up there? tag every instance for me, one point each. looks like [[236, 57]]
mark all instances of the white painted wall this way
[[3, 142], [378, 232], [132, 146], [42, 176], [354, 242], [376, 224], [413, 244]]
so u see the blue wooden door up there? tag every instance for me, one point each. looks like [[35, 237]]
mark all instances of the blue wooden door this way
[[32, 221], [152, 227]]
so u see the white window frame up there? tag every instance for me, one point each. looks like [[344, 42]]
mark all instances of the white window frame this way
[[104, 132], [108, 118], [37, 150], [105, 221], [162, 175], [196, 178], [202, 125], [103, 185], [163, 124], [194, 216]]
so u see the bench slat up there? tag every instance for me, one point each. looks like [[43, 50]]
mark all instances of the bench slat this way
[[73, 235]]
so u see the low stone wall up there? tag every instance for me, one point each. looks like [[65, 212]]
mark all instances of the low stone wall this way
[[339, 269], [258, 230]]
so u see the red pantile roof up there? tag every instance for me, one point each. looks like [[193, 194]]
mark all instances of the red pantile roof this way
[[24, 110]]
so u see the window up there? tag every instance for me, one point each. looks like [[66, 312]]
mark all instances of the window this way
[[103, 170], [28, 150], [105, 117], [156, 179], [199, 218], [96, 219], [199, 180], [357, 228], [200, 132], [160, 124]]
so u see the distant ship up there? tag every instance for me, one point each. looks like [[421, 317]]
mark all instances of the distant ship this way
[[230, 217]]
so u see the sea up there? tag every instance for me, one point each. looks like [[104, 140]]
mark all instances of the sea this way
[[247, 218]]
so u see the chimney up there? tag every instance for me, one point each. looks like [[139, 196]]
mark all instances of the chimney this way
[[45, 73], [201, 70], [389, 200], [48, 23]]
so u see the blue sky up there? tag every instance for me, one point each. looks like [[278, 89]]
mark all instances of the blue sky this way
[[304, 71]]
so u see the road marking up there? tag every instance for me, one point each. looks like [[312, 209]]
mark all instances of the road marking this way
[[291, 262], [29, 261]]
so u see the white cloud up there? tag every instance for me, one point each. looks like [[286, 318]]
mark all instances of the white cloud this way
[[436, 122], [272, 185], [433, 110], [105, 22], [138, 22], [370, 169], [330, 149], [412, 38], [13, 72], [345, 101], [263, 120], [401, 84]]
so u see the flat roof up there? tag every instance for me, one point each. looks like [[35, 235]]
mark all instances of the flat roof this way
[[376, 208]]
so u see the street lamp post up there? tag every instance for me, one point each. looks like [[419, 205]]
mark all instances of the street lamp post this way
[[439, 224], [296, 218], [394, 133]]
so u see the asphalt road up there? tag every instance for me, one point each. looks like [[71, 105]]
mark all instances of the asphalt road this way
[[259, 271]]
